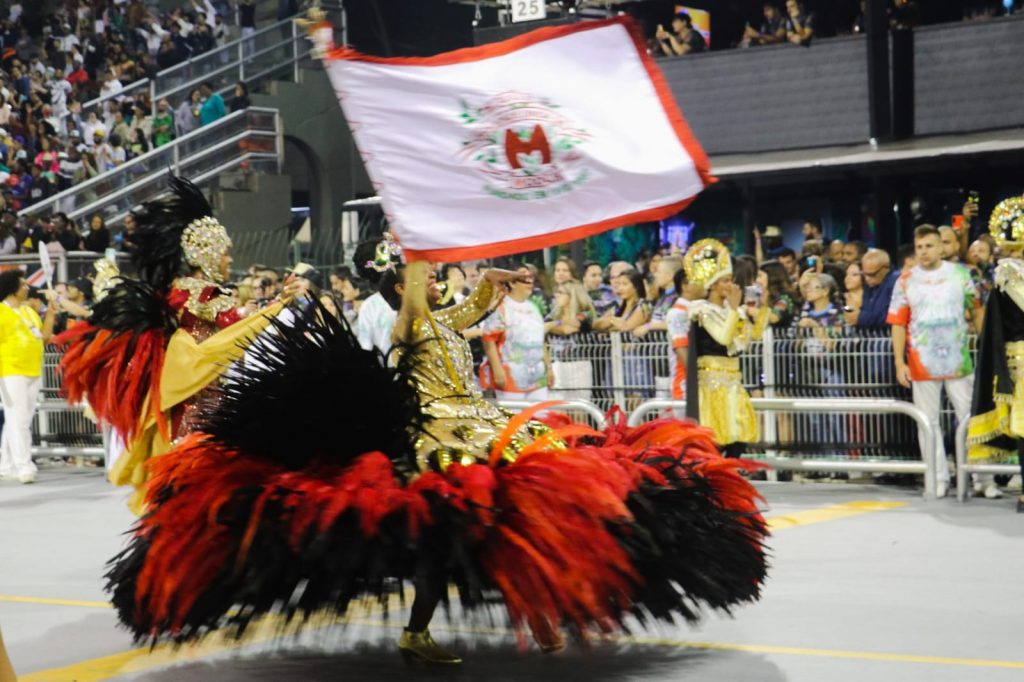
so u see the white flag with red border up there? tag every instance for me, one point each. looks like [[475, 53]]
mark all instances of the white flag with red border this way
[[551, 136]]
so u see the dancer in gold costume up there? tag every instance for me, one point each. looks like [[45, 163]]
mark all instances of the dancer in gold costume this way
[[719, 330]]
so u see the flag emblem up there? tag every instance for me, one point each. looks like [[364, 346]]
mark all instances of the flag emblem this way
[[525, 147]]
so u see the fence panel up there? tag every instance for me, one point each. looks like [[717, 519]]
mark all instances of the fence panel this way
[[627, 370]]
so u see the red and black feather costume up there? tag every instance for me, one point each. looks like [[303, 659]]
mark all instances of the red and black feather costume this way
[[302, 493]]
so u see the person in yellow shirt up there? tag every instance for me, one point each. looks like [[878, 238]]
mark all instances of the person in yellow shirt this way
[[22, 335]]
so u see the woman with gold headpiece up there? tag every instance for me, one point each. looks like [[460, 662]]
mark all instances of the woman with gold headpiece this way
[[153, 349], [996, 429], [718, 331], [295, 497]]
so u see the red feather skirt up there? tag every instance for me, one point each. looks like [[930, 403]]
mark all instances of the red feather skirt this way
[[582, 531]]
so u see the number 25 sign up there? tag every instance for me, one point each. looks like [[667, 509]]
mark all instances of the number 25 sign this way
[[527, 10]]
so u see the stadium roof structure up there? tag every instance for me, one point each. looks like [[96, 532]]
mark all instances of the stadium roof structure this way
[[867, 157]]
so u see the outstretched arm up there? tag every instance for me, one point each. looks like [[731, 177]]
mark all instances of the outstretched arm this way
[[414, 300]]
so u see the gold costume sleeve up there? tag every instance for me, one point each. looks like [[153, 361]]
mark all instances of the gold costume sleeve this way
[[721, 325], [469, 312]]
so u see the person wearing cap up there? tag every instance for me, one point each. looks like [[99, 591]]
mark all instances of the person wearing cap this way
[[767, 242], [22, 336]]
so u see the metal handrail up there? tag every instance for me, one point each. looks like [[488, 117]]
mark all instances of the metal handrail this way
[[60, 260], [52, 203], [164, 74], [855, 405], [198, 179], [592, 410], [234, 52]]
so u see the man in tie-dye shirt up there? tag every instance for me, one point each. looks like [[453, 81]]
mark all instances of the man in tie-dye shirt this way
[[928, 313]]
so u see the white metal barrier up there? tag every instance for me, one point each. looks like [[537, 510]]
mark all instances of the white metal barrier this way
[[591, 410], [854, 405]]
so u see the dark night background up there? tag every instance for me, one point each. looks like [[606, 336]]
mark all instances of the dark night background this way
[[426, 27]]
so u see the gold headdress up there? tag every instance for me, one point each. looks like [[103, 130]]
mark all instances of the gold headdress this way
[[706, 262], [205, 242], [1006, 225], [107, 276]]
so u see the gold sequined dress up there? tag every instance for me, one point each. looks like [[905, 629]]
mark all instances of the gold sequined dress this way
[[721, 334], [462, 425]]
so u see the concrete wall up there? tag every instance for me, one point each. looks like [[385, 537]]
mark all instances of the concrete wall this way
[[969, 76], [774, 97], [316, 128]]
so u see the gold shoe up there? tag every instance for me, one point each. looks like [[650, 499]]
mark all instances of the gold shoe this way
[[420, 647], [547, 636]]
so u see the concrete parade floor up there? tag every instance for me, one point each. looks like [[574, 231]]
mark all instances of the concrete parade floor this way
[[867, 583]]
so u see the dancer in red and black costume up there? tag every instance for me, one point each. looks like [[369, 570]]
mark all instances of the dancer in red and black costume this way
[[296, 497], [150, 356]]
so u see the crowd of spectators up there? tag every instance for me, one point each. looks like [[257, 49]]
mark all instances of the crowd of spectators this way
[[53, 62], [799, 22]]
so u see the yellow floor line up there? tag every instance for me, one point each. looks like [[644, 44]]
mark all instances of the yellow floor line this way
[[141, 659], [829, 513], [55, 602], [748, 648], [136, 660]]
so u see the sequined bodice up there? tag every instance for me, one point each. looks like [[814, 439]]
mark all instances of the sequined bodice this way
[[462, 425]]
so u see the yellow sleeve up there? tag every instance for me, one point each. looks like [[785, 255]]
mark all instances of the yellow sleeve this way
[[723, 328], [469, 312], [189, 366]]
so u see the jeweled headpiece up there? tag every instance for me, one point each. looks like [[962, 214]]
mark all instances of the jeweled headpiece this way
[[107, 276], [706, 262], [205, 242], [1006, 224], [387, 255]]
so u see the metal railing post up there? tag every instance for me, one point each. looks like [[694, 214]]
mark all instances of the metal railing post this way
[[241, 60], [152, 98], [618, 375], [295, 52], [176, 159], [62, 267], [279, 140], [771, 433]]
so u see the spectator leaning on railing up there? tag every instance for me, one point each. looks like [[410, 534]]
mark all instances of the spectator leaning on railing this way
[[213, 105], [518, 364], [683, 39], [600, 293], [772, 30], [879, 280], [799, 23]]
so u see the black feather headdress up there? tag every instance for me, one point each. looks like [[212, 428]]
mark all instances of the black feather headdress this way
[[159, 257]]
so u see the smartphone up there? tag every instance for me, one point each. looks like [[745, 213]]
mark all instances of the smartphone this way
[[812, 261], [973, 196], [752, 294]]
